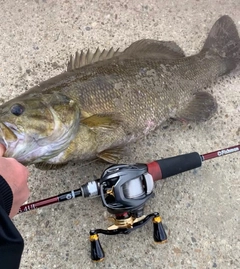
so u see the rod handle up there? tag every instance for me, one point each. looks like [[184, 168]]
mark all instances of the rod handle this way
[[174, 165]]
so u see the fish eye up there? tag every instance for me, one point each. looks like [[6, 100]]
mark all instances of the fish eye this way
[[17, 109]]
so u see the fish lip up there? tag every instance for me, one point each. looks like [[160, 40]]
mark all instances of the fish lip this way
[[12, 127], [3, 142], [2, 138], [8, 143]]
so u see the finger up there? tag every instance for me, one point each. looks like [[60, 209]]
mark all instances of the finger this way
[[2, 149], [12, 213], [20, 201]]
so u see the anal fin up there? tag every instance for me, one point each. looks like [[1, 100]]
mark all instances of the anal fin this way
[[201, 108], [49, 166]]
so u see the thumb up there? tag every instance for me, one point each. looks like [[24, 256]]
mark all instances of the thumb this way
[[2, 150]]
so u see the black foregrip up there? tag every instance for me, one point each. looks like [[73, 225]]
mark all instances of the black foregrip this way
[[178, 164]]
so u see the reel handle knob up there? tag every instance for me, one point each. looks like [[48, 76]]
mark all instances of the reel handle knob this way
[[159, 233], [97, 253]]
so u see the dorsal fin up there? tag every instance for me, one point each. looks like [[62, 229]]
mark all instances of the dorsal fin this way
[[82, 58], [141, 48], [154, 48]]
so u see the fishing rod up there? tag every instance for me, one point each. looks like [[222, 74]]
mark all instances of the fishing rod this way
[[124, 190]]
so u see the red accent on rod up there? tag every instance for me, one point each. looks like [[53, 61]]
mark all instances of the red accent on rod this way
[[154, 170], [220, 152], [41, 203]]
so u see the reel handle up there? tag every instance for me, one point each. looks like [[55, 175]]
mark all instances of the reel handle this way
[[159, 234], [97, 253]]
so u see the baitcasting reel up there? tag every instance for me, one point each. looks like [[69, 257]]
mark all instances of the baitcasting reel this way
[[124, 190]]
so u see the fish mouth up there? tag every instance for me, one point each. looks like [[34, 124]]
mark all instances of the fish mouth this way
[[18, 144], [4, 130], [27, 148], [3, 142], [8, 136]]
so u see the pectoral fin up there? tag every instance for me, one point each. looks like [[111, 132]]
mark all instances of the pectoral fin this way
[[140, 48], [112, 155], [105, 121], [201, 108]]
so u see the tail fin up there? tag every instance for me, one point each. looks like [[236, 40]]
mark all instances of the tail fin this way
[[224, 40]]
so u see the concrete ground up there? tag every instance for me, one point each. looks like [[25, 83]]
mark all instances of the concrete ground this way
[[200, 208]]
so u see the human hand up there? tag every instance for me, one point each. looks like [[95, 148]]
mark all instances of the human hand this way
[[16, 175]]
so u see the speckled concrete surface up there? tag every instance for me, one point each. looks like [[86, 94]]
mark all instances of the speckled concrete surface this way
[[200, 208]]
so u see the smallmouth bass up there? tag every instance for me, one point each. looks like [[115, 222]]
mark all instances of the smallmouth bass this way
[[108, 99]]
